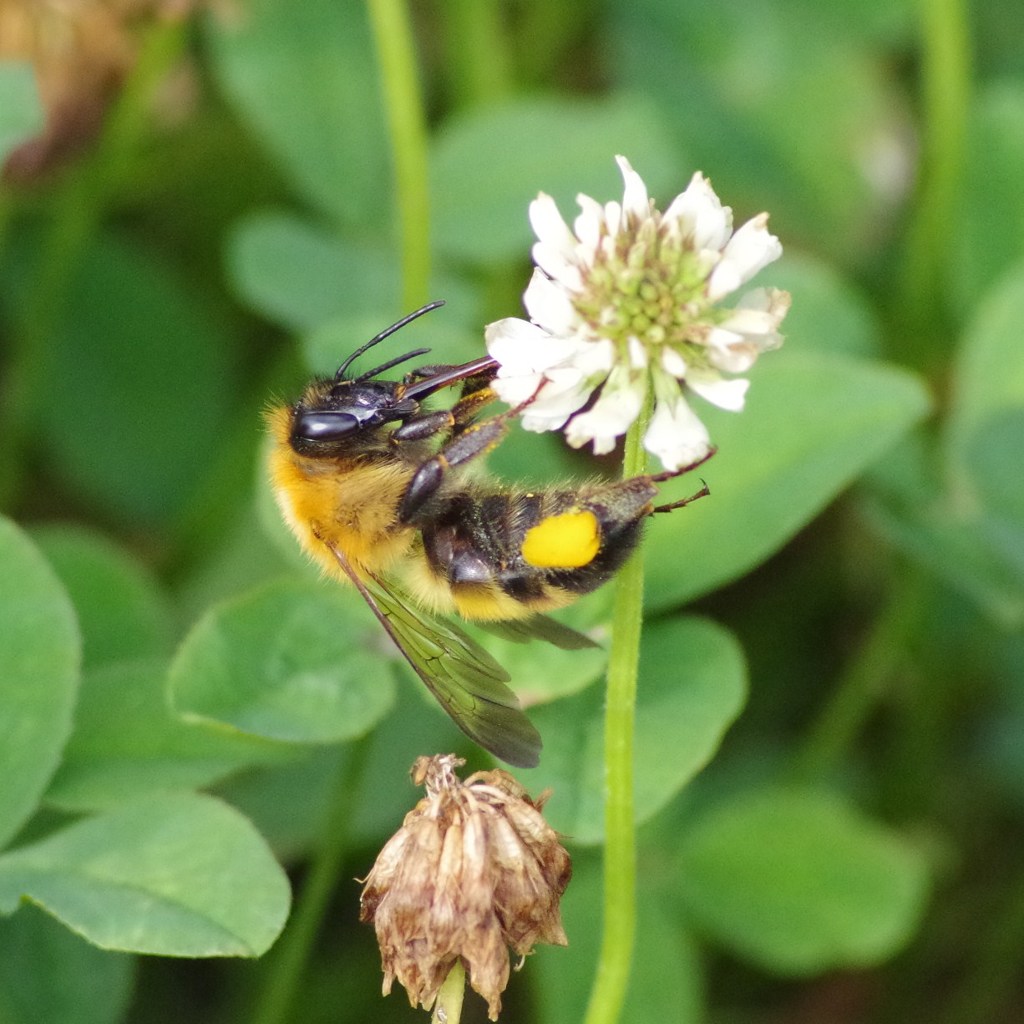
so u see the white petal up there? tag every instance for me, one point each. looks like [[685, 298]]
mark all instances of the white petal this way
[[556, 401], [540, 421], [594, 358], [551, 417], [589, 226], [524, 349], [769, 300], [635, 203], [514, 391], [676, 434], [731, 352], [736, 358], [699, 216], [519, 346], [750, 321], [616, 408], [750, 249], [756, 318], [758, 315], [550, 259], [637, 354], [550, 305], [613, 221], [726, 394], [550, 228], [673, 363]]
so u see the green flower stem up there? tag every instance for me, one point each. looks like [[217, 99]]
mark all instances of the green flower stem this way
[[448, 1005], [945, 99], [403, 101], [477, 52], [287, 963], [619, 929]]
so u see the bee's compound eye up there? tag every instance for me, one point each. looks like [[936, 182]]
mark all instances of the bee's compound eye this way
[[324, 426]]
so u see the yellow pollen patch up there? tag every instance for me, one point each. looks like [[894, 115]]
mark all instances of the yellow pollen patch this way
[[565, 541]]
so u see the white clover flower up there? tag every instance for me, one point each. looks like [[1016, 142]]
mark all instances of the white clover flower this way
[[626, 301]]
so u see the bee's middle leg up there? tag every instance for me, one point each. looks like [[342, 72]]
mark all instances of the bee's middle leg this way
[[472, 442]]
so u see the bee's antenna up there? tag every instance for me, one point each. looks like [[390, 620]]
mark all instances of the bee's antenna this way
[[386, 333], [391, 362]]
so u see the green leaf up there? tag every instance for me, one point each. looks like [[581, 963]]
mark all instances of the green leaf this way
[[990, 229], [965, 553], [967, 527], [962, 519], [122, 611], [39, 663], [131, 427], [811, 425], [996, 446], [49, 976], [828, 313], [808, 133], [127, 744], [341, 292], [21, 113], [300, 275], [181, 875], [976, 551], [304, 76], [289, 803], [558, 146], [985, 416], [289, 661], [444, 332], [692, 685], [800, 883], [246, 556], [666, 983]]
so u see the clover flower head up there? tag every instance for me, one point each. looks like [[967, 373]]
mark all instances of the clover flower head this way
[[474, 870], [627, 303]]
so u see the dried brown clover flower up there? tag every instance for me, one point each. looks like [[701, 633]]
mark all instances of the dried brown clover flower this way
[[82, 50], [474, 869]]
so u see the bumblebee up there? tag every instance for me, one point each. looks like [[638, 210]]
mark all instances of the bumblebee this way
[[374, 486]]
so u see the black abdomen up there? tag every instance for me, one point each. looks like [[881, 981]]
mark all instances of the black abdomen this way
[[473, 540]]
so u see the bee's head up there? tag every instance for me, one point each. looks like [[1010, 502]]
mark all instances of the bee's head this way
[[333, 413]]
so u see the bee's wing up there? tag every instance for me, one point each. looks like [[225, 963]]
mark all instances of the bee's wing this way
[[539, 627], [467, 682]]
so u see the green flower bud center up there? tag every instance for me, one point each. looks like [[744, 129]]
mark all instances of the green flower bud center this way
[[651, 287]]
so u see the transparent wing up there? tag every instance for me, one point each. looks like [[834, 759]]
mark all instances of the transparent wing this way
[[467, 682], [539, 627]]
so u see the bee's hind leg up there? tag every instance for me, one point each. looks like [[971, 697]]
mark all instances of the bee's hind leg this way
[[682, 502], [659, 478]]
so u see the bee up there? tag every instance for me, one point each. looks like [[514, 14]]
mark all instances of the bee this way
[[375, 488]]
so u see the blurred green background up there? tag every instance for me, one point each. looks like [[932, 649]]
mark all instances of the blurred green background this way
[[202, 205]]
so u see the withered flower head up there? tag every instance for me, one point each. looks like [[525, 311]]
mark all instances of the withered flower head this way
[[474, 869], [82, 50]]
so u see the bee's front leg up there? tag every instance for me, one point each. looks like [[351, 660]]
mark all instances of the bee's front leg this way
[[451, 421]]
